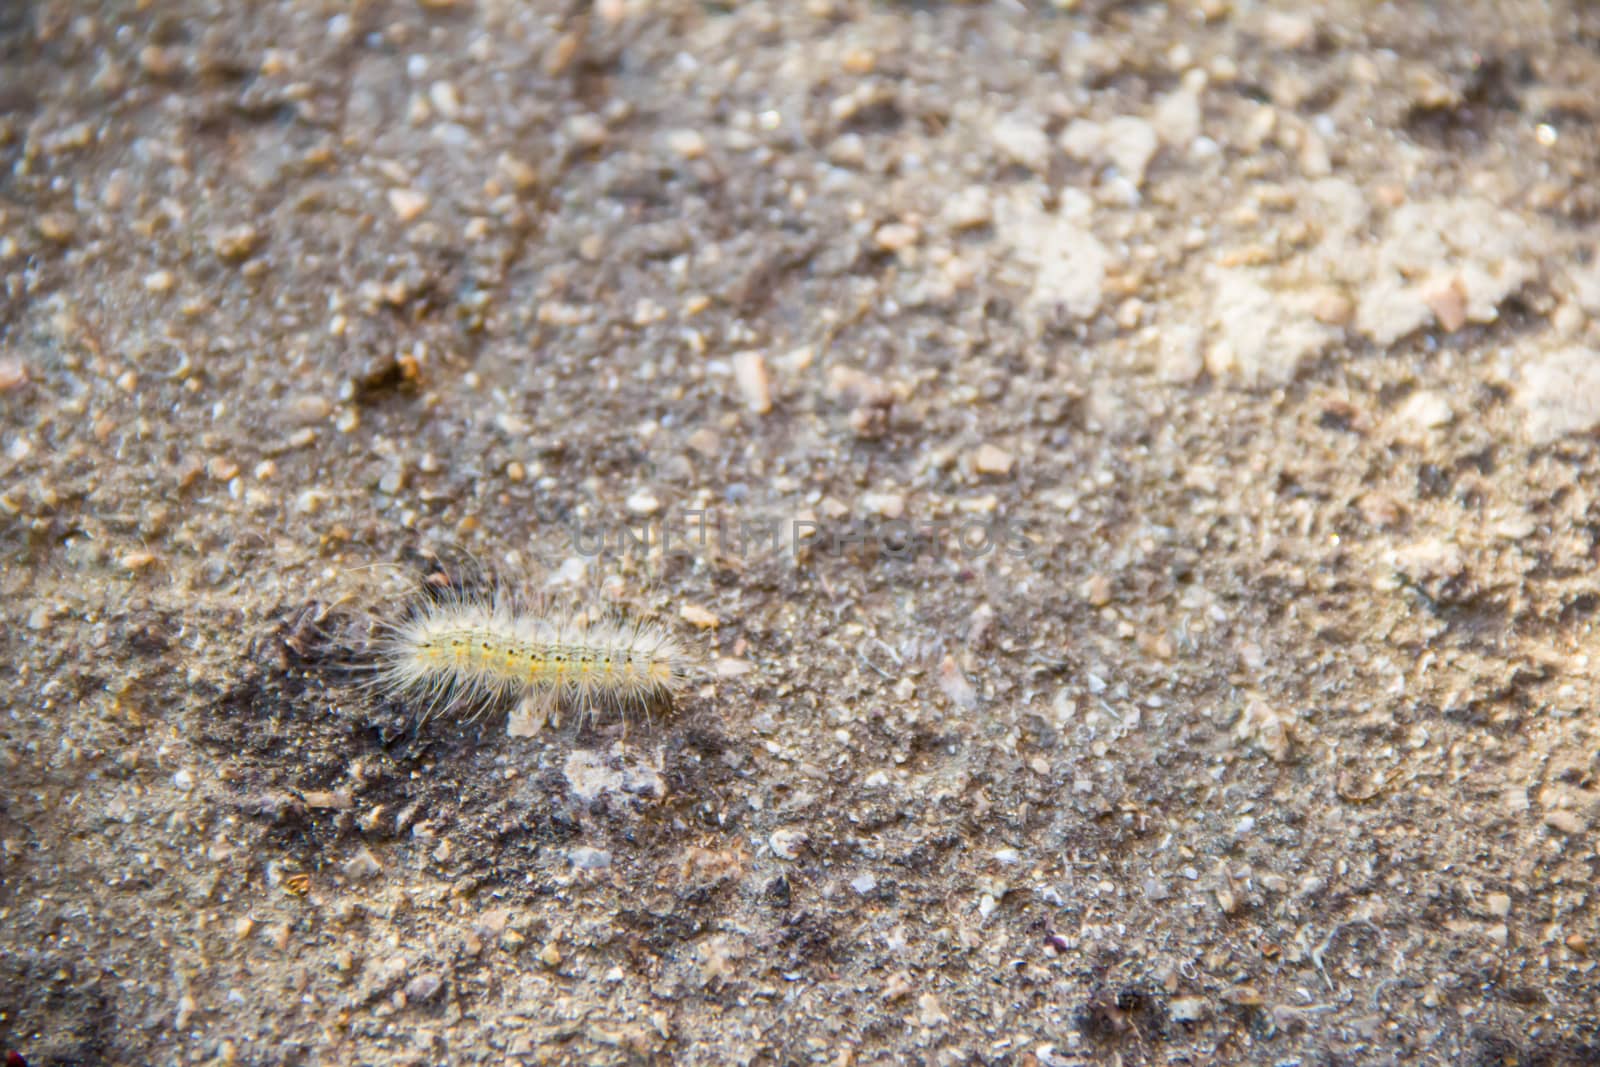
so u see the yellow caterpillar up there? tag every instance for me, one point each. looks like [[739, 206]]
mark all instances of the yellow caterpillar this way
[[464, 649]]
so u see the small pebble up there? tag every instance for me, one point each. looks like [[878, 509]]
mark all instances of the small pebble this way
[[930, 1012], [1380, 509], [1130, 142], [1568, 822], [588, 131], [968, 209], [1559, 394], [750, 374], [1424, 410], [859, 61], [1448, 302], [699, 617], [522, 176], [1245, 996], [955, 684], [895, 236], [158, 62], [704, 441], [423, 987], [445, 100], [1289, 30], [1332, 308], [57, 226], [1023, 141], [888, 505], [237, 243], [407, 203], [690, 144], [589, 859], [13, 374], [898, 985], [362, 866], [991, 459], [731, 667], [786, 844]]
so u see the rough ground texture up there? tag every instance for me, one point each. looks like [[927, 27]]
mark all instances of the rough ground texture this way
[[1274, 329]]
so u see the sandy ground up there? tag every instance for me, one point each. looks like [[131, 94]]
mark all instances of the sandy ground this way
[[1258, 344]]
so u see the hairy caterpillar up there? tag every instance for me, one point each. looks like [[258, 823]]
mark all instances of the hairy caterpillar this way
[[461, 648]]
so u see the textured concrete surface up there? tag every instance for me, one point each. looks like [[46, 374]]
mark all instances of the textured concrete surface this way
[[1257, 344]]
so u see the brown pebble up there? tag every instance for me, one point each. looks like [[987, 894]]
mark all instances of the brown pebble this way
[[521, 175], [890, 505], [1568, 822], [1332, 308], [750, 374], [587, 131], [1449, 303], [561, 54], [991, 459], [895, 236], [157, 62], [859, 61], [407, 203], [695, 615], [690, 144], [310, 408], [236, 244], [1245, 996], [57, 226], [13, 374]]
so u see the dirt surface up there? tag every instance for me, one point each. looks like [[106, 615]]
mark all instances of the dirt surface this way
[[1260, 345]]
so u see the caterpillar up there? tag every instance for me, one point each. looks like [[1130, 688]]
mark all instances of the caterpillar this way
[[461, 648]]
